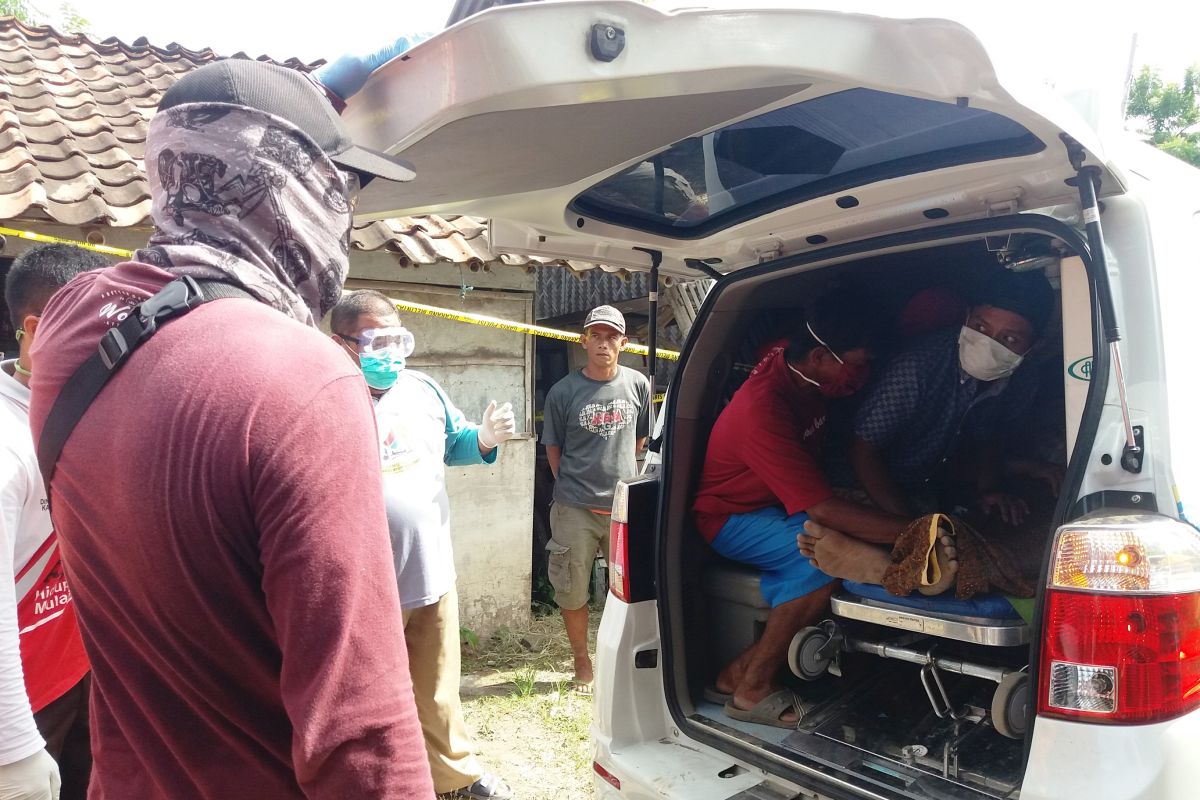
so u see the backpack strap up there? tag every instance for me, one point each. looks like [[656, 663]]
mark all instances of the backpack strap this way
[[175, 299]]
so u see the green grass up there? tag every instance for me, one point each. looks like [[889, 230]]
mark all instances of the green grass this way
[[530, 727], [524, 682], [539, 743], [542, 645]]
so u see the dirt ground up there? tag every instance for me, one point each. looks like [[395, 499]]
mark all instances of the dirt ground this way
[[530, 727]]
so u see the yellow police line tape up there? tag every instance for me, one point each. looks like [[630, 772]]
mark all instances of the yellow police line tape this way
[[518, 327], [419, 308], [44, 238]]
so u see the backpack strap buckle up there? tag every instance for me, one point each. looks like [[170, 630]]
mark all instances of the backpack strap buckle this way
[[180, 295]]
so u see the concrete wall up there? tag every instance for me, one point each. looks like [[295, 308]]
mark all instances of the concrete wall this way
[[491, 506]]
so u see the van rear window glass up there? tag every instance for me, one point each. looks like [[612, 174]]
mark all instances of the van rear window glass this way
[[812, 148]]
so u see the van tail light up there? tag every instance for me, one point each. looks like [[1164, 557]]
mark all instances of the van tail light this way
[[618, 544], [631, 539], [1121, 639]]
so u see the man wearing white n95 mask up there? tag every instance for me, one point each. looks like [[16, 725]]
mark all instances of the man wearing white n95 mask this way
[[956, 390], [420, 432]]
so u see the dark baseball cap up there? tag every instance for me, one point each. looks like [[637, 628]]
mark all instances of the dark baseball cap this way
[[605, 315], [1028, 294], [291, 95]]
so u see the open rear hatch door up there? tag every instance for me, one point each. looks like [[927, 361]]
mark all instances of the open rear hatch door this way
[[584, 130]]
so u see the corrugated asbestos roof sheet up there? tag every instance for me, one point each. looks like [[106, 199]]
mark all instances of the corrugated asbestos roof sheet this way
[[560, 294], [73, 115]]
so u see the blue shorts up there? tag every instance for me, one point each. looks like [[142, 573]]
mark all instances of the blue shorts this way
[[767, 539]]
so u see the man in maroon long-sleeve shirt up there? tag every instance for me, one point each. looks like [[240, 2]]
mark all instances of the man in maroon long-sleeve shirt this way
[[219, 504]]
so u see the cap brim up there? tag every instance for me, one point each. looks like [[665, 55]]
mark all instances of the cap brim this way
[[606, 324], [370, 162]]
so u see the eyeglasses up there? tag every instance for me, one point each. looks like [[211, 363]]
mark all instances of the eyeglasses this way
[[373, 340]]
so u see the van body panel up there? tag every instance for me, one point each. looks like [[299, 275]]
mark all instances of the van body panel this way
[[672, 770], [1161, 293], [633, 735], [483, 87], [1138, 762], [1130, 240], [636, 712]]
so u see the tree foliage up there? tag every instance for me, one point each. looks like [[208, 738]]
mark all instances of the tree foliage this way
[[16, 8], [1168, 108], [68, 20], [1170, 111], [72, 20]]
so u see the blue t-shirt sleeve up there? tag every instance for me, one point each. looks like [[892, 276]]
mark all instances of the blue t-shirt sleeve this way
[[891, 404]]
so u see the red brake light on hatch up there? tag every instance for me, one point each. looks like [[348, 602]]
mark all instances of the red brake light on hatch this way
[[618, 543], [1121, 640]]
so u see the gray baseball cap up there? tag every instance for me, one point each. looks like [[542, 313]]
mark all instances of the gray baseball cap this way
[[605, 315], [288, 94]]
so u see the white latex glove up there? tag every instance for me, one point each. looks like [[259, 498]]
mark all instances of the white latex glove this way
[[32, 778], [499, 425]]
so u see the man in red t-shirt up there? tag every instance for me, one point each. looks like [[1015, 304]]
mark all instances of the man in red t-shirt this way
[[219, 505], [761, 482]]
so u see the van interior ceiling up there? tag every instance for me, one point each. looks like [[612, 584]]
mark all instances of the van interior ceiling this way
[[890, 721]]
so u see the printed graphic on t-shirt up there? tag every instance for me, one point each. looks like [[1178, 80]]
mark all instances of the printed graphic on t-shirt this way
[[396, 450], [117, 306], [606, 419], [51, 651]]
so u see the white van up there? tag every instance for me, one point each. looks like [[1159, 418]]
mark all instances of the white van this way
[[775, 151]]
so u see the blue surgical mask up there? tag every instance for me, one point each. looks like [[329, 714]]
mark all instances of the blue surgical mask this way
[[381, 368]]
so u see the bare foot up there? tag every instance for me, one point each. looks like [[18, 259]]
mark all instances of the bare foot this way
[[842, 556], [947, 555], [583, 674], [731, 677], [806, 543]]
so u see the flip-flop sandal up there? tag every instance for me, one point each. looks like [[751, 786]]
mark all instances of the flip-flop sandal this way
[[768, 710], [714, 695]]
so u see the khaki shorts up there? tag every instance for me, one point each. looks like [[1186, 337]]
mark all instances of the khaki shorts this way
[[576, 535]]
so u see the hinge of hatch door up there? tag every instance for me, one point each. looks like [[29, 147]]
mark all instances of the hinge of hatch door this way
[[767, 250]]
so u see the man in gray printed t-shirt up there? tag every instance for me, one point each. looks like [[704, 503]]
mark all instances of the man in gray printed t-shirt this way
[[595, 423]]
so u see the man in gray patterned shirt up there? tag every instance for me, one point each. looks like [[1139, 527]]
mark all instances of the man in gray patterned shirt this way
[[950, 384], [596, 421]]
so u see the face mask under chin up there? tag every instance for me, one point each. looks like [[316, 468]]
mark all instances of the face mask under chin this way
[[848, 380], [983, 358]]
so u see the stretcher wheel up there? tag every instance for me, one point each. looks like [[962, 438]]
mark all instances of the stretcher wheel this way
[[804, 657], [1010, 706]]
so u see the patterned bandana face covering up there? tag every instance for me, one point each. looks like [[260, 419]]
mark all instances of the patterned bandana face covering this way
[[246, 197]]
